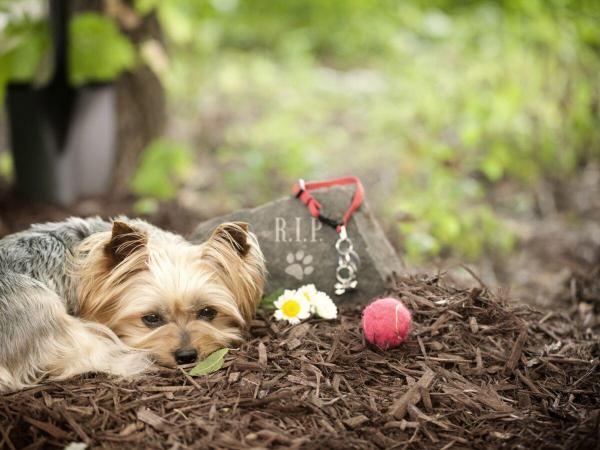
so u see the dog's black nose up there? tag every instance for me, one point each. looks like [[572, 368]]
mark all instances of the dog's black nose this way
[[186, 355]]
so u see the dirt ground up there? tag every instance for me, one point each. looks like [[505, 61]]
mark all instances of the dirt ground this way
[[17, 214], [476, 372]]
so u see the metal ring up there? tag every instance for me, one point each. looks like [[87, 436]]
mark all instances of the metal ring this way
[[339, 274], [348, 249]]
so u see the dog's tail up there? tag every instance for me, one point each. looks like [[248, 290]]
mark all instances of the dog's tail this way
[[38, 339]]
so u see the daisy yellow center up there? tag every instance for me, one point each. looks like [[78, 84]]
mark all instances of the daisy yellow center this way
[[291, 308]]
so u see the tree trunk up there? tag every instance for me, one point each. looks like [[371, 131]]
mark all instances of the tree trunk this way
[[142, 117], [141, 102]]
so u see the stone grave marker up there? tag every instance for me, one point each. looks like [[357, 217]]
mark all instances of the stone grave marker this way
[[299, 249]]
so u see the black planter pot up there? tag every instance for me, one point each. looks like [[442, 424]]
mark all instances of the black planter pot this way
[[58, 166], [63, 139]]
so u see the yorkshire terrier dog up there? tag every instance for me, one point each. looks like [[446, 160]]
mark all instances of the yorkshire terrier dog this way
[[86, 295]]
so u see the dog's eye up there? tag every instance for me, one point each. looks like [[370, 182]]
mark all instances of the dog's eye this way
[[207, 314], [153, 320]]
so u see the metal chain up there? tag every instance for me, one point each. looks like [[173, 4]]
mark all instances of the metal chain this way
[[348, 264]]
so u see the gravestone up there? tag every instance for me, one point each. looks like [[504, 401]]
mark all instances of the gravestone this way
[[299, 249]]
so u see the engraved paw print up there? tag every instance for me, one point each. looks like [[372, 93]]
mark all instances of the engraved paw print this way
[[299, 265]]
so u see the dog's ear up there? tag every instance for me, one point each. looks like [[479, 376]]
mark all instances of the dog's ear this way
[[235, 234], [124, 242], [234, 252]]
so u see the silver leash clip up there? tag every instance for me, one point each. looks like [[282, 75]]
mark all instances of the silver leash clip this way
[[348, 264]]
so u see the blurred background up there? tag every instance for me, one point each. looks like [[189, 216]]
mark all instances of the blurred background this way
[[474, 125]]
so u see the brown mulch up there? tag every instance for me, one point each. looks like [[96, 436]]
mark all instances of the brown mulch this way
[[477, 372], [581, 290]]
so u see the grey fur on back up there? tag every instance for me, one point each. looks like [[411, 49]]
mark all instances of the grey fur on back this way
[[41, 253], [26, 317], [38, 332]]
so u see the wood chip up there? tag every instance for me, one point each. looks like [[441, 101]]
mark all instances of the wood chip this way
[[355, 422], [52, 430], [412, 396], [528, 382], [439, 323], [262, 355], [75, 426], [490, 398], [129, 429], [426, 398], [515, 353], [473, 325], [293, 344], [151, 418], [302, 381], [524, 400], [478, 361], [418, 415]]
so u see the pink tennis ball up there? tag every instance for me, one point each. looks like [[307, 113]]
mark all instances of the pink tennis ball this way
[[386, 322]]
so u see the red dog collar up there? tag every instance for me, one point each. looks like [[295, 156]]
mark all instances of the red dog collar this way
[[301, 190]]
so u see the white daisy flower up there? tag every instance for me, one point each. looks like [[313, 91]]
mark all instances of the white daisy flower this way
[[323, 306], [309, 292], [292, 307]]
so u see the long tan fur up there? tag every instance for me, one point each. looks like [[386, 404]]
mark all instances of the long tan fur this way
[[201, 298], [164, 274]]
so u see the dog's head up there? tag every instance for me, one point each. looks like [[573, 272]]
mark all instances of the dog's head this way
[[161, 293]]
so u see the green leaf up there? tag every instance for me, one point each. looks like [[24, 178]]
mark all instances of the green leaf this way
[[23, 44], [98, 50], [211, 364], [164, 166], [267, 301]]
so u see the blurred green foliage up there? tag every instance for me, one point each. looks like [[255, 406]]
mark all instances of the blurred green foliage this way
[[7, 170], [23, 43], [164, 166], [98, 51], [432, 103], [267, 302]]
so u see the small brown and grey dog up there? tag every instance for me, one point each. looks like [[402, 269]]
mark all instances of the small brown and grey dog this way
[[86, 295]]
